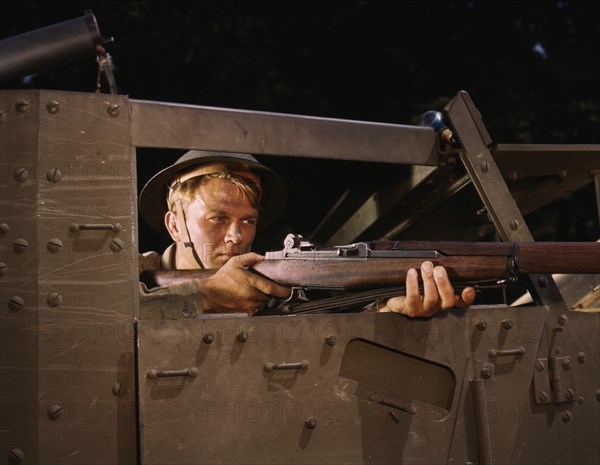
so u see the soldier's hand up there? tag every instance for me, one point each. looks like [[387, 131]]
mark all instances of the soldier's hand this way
[[233, 288], [438, 294]]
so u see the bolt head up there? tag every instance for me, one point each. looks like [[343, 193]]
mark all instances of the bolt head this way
[[208, 338], [16, 303], [54, 299], [54, 412], [15, 456], [311, 423], [331, 340], [116, 245], [53, 106]]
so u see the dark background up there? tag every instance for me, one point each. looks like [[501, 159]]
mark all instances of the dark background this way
[[531, 67]]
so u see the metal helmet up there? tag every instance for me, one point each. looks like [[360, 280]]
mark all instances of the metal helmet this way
[[153, 198]]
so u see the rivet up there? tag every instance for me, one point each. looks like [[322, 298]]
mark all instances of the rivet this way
[[242, 336], [570, 394], [331, 340], [114, 109], [580, 400], [542, 396], [543, 282], [486, 373], [3, 268], [53, 106], [581, 357], [208, 338], [485, 166], [540, 365], [3, 228], [557, 350], [481, 325], [21, 174], [566, 363], [54, 412], [15, 456], [16, 303], [116, 245], [21, 106], [2, 116], [514, 224], [566, 416], [54, 299], [562, 319], [54, 175], [20, 245], [117, 389], [507, 324], [311, 423], [513, 176]]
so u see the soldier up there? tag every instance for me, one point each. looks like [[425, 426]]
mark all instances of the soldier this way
[[212, 204]]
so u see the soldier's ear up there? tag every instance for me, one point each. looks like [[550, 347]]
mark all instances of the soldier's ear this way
[[172, 226]]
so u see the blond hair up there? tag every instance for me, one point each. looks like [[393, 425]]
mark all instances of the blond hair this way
[[187, 190]]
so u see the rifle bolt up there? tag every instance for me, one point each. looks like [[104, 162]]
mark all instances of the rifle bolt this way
[[507, 324], [562, 319], [242, 336], [481, 325], [566, 416], [311, 423], [54, 412], [15, 456], [208, 338], [581, 357], [542, 396], [331, 340]]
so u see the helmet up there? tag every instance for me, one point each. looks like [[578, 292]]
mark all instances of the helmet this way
[[153, 198]]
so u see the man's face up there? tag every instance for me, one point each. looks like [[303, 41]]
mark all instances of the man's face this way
[[221, 222]]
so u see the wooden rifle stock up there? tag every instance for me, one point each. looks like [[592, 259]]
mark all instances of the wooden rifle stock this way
[[385, 263]]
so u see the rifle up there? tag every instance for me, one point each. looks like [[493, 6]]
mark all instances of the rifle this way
[[365, 266]]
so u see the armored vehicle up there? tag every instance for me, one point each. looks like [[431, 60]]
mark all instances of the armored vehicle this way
[[91, 375]]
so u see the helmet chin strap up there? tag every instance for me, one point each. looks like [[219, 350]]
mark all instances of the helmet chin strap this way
[[189, 251]]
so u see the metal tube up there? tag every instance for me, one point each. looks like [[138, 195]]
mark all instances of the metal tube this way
[[49, 47], [484, 444]]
